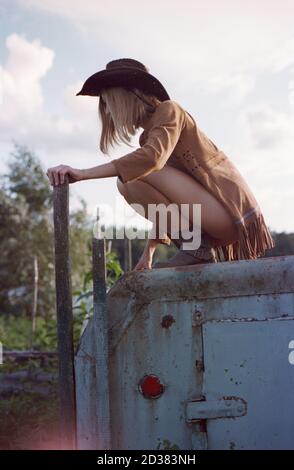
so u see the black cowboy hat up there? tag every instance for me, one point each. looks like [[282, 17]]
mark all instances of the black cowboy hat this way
[[125, 73]]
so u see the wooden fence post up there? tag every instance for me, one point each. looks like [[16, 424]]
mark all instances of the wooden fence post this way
[[64, 316]]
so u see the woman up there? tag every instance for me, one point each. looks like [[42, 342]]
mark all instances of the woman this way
[[176, 164]]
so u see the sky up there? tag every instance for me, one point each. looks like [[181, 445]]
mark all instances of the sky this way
[[229, 63]]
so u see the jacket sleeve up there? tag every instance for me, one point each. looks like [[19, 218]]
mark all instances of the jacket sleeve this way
[[167, 124]]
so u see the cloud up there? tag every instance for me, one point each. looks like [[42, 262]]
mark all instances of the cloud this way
[[235, 87], [270, 128], [211, 47], [266, 159], [291, 92], [282, 57], [27, 63], [26, 118]]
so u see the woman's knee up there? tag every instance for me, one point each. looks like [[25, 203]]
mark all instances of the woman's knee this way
[[122, 187], [130, 188]]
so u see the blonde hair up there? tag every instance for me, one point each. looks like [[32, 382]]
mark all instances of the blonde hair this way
[[127, 111]]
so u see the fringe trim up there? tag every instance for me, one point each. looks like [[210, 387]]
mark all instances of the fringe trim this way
[[254, 238]]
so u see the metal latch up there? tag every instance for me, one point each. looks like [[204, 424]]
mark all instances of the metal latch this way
[[226, 407]]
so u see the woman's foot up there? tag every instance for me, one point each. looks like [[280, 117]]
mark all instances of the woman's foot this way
[[204, 254], [186, 258], [145, 261]]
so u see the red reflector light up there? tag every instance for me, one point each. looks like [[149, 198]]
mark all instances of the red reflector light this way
[[150, 386]]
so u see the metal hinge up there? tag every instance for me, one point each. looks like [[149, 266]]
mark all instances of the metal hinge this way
[[226, 407]]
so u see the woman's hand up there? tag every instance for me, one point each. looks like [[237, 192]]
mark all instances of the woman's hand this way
[[56, 174], [145, 261]]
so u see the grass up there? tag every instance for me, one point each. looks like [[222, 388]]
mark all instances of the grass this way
[[28, 421]]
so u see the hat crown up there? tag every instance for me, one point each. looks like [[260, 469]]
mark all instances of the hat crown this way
[[126, 63]]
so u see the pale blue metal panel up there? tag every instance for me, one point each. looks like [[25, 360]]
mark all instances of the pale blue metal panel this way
[[86, 387], [171, 354], [254, 307], [249, 360]]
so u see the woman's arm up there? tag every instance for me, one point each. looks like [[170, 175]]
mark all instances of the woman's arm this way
[[56, 174], [168, 122], [106, 170]]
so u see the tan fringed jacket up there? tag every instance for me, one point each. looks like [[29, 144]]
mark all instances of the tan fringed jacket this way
[[172, 137]]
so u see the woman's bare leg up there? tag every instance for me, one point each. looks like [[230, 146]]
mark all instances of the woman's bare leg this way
[[170, 185], [143, 194]]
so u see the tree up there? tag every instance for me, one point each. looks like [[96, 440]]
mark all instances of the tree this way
[[26, 232]]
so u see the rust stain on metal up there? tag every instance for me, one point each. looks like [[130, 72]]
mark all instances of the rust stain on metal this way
[[202, 425], [238, 399], [198, 318], [198, 315], [167, 321], [199, 365]]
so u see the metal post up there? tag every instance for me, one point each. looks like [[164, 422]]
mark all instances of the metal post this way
[[35, 303], [130, 255], [64, 317], [103, 431], [127, 254]]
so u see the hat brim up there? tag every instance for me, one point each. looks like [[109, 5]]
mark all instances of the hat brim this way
[[125, 77]]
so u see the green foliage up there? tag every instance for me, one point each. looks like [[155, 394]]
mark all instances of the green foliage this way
[[27, 181], [15, 333], [284, 244], [113, 268], [166, 444], [25, 233]]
